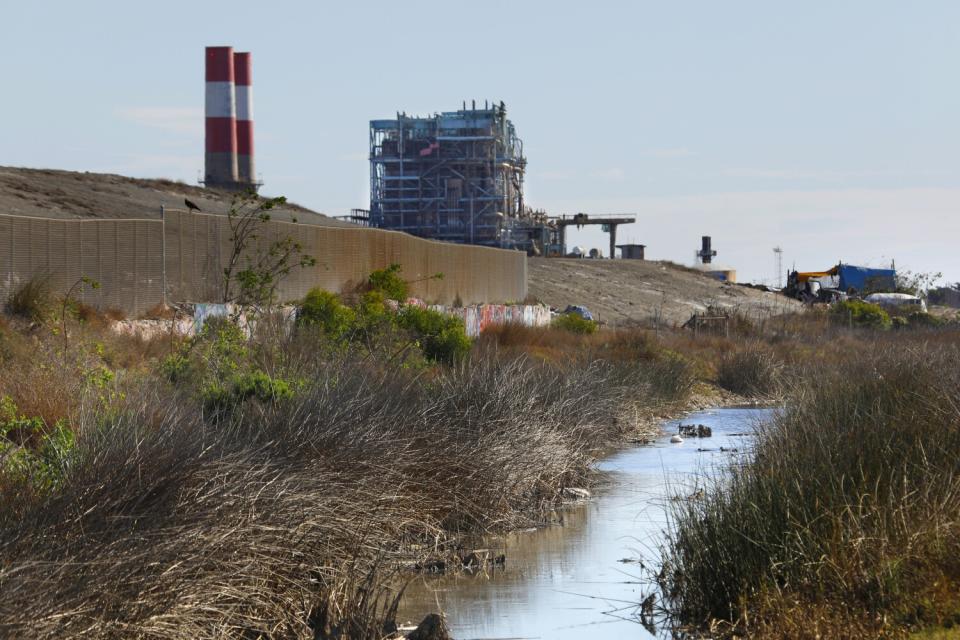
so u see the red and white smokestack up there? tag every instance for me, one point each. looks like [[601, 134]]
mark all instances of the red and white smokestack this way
[[243, 70], [221, 124]]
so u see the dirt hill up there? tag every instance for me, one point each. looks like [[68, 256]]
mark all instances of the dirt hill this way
[[623, 292], [68, 194]]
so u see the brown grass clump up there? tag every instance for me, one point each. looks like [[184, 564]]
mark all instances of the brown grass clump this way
[[31, 300], [752, 370], [287, 518]]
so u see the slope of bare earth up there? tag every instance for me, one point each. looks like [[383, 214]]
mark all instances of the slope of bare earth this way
[[625, 292], [52, 193]]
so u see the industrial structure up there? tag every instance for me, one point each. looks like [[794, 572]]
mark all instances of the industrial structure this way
[[229, 120], [608, 223], [455, 176], [706, 252], [458, 176], [632, 251], [705, 256]]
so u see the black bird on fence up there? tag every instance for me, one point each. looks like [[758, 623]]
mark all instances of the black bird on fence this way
[[191, 206]]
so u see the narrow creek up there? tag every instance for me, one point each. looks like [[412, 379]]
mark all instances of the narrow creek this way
[[582, 579]]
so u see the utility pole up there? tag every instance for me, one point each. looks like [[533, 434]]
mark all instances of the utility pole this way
[[778, 257]]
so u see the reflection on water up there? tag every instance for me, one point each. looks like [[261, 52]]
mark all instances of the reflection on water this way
[[570, 581]]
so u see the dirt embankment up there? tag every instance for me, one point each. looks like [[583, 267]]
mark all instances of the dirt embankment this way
[[50, 193], [629, 292]]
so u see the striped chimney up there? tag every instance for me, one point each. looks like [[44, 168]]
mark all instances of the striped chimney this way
[[243, 66], [221, 112]]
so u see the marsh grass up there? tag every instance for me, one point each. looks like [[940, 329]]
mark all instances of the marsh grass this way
[[849, 506], [288, 518]]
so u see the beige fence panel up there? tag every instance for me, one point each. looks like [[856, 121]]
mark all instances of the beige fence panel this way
[[137, 262], [123, 256], [198, 247]]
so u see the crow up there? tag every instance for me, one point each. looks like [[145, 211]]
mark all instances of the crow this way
[[190, 205]]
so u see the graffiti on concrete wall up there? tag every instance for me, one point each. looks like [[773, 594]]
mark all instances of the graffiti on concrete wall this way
[[475, 318], [478, 317]]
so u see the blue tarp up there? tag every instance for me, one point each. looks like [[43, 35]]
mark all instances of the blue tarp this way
[[866, 279]]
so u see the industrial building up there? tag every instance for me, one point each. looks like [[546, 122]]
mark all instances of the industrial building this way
[[454, 176], [632, 251]]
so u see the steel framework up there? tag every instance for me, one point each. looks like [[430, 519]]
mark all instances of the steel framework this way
[[454, 176]]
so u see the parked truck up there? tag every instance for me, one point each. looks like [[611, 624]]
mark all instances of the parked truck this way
[[838, 283]]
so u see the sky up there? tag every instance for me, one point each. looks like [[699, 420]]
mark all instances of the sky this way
[[828, 128]]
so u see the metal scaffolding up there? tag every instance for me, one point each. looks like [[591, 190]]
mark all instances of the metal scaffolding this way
[[454, 176]]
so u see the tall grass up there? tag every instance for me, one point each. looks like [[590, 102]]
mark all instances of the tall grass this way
[[288, 518], [32, 299], [846, 519]]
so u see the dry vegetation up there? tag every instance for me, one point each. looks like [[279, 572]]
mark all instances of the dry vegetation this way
[[275, 487], [846, 521], [281, 487]]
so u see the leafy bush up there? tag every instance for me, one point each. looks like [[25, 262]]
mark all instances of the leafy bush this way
[[923, 319], [29, 451], [323, 309], [442, 338], [373, 315], [861, 314], [575, 323], [389, 282], [218, 394]]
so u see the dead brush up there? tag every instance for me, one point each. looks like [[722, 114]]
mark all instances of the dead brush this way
[[289, 519]]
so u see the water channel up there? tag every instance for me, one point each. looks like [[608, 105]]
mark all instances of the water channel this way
[[582, 579]]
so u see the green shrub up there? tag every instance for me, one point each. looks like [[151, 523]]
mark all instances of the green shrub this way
[[39, 458], [175, 367], [219, 394], [442, 338], [323, 309], [373, 315], [389, 282], [261, 386], [923, 319], [861, 314], [575, 323]]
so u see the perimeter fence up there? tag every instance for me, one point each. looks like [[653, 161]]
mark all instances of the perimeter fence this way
[[180, 258]]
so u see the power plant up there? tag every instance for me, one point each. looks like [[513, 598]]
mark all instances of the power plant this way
[[455, 176], [229, 120]]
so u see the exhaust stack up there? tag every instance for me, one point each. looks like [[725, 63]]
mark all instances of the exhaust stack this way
[[221, 119], [243, 68]]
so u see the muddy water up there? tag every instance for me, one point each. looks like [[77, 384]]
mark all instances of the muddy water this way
[[583, 578]]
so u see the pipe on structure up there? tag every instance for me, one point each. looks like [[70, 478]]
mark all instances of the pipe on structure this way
[[221, 118], [243, 73]]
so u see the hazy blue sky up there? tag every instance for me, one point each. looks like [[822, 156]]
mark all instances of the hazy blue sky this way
[[827, 127]]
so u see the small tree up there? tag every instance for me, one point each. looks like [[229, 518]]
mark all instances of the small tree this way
[[391, 284], [253, 272], [81, 281], [916, 283]]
